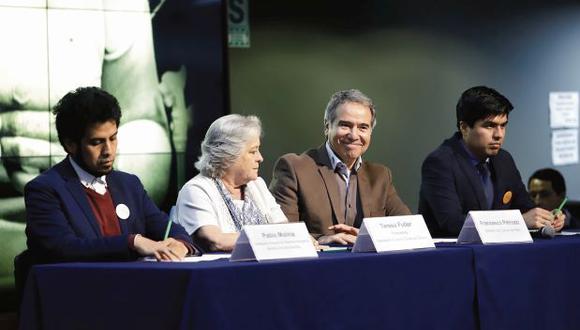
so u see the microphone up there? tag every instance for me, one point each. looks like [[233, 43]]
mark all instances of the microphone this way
[[544, 232]]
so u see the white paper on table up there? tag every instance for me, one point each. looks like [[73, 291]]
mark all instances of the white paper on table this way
[[568, 233], [445, 240], [204, 257]]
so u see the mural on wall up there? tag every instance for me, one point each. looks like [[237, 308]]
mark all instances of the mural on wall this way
[[165, 61], [57, 46]]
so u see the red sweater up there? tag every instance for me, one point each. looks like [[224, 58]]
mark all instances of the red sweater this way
[[104, 212]]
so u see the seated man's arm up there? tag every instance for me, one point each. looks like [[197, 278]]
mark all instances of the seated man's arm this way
[[538, 218], [175, 247], [284, 188], [534, 217], [559, 220], [167, 250], [155, 220], [395, 205], [343, 234], [438, 189], [49, 230]]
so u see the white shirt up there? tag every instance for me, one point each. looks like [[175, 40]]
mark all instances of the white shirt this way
[[98, 184], [199, 204], [334, 161]]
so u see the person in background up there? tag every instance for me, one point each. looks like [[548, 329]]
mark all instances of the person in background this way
[[547, 189], [227, 193], [470, 170], [331, 188]]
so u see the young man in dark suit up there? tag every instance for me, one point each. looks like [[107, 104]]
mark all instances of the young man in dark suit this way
[[470, 170], [82, 209]]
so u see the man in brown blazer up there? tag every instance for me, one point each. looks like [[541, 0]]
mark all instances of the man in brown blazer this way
[[331, 188]]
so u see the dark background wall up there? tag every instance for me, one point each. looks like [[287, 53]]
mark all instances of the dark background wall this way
[[414, 58]]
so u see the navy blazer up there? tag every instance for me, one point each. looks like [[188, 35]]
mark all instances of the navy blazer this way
[[451, 186], [61, 226]]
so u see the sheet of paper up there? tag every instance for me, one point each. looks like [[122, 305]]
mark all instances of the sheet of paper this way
[[565, 146], [445, 240], [205, 257], [564, 109], [568, 233], [335, 249]]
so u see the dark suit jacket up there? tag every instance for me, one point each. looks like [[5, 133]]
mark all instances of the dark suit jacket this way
[[451, 186], [572, 222], [305, 186], [60, 225]]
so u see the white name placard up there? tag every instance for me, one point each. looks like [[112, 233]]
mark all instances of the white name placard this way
[[394, 233], [491, 227], [274, 241]]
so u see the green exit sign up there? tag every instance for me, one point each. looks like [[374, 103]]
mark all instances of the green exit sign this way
[[238, 24]]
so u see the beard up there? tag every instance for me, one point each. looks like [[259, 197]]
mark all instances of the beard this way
[[95, 172]]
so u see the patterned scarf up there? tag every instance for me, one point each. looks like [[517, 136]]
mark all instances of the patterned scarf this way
[[247, 215]]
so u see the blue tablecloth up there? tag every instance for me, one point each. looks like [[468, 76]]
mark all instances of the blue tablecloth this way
[[425, 289], [529, 286]]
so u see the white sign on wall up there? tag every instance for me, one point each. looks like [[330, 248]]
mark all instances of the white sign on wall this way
[[564, 109], [565, 146]]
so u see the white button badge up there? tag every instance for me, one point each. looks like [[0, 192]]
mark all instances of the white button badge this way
[[122, 211]]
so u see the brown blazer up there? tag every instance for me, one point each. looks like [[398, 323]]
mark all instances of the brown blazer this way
[[305, 186]]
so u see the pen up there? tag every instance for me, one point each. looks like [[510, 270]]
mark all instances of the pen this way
[[167, 229], [559, 209], [169, 221]]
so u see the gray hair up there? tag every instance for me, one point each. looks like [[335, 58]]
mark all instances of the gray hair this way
[[349, 95], [224, 142]]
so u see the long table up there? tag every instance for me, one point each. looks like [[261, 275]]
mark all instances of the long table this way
[[529, 286], [507, 286], [424, 289]]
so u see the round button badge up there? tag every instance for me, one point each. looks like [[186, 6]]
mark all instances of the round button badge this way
[[122, 211], [507, 197]]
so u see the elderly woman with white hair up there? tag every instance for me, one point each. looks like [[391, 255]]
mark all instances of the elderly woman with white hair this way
[[228, 193]]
